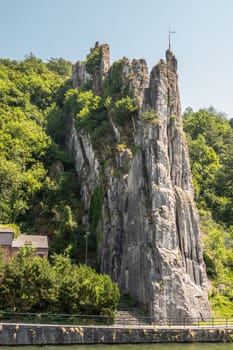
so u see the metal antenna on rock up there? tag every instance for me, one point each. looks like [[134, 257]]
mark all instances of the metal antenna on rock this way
[[169, 38]]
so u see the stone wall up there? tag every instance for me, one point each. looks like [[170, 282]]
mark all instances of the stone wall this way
[[53, 335]]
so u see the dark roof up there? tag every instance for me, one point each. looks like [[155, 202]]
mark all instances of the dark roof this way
[[36, 241], [6, 238], [6, 230]]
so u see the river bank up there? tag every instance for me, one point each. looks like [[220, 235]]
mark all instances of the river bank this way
[[31, 334]]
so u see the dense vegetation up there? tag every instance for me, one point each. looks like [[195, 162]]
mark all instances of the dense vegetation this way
[[32, 284], [39, 193], [210, 139], [36, 173], [39, 188]]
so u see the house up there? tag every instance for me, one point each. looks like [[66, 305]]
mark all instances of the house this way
[[11, 246], [40, 243], [6, 238]]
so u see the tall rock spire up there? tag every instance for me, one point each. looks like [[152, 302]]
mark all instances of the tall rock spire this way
[[99, 69], [171, 242], [150, 238]]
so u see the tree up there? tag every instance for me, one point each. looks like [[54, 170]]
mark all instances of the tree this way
[[93, 61], [60, 66], [211, 126], [205, 166], [123, 110], [31, 284], [84, 291], [28, 283], [210, 136], [210, 143], [2, 264], [66, 235]]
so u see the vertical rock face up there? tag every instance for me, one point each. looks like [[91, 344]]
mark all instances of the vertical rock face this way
[[151, 241], [102, 69], [86, 163], [80, 75]]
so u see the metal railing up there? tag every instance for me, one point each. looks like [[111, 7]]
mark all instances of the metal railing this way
[[43, 318], [90, 320], [177, 322]]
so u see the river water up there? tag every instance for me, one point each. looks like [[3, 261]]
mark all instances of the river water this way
[[195, 346]]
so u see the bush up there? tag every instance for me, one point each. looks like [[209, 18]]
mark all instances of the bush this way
[[124, 110], [32, 284], [93, 61], [113, 82], [150, 116]]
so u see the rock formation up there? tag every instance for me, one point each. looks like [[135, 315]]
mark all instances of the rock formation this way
[[79, 75], [150, 240]]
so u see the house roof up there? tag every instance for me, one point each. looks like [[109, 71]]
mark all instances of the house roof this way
[[36, 241], [6, 230], [6, 238]]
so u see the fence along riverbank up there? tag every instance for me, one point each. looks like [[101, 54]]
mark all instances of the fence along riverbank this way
[[44, 329], [126, 319]]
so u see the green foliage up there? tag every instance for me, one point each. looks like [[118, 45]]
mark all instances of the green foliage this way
[[32, 284], [223, 201], [123, 111], [26, 89], [95, 211], [113, 82], [218, 256], [37, 179], [2, 264], [60, 66], [210, 142], [27, 284], [56, 115], [66, 234], [213, 127], [87, 86], [83, 291], [93, 61], [81, 104], [214, 243], [58, 210], [222, 306], [59, 97], [90, 114], [56, 119], [205, 166], [150, 116], [96, 208]]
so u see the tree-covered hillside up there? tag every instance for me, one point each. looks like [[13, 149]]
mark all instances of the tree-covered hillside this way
[[39, 194], [210, 140], [38, 184]]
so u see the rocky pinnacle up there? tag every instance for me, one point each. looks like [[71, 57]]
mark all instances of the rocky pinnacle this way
[[151, 241]]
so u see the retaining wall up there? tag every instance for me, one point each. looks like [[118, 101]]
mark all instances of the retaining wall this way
[[15, 334]]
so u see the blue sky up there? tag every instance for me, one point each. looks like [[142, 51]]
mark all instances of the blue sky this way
[[203, 42]]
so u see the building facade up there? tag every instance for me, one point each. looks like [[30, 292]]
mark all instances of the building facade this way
[[11, 245]]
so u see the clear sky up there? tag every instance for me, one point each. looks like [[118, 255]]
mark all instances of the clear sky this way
[[203, 42]]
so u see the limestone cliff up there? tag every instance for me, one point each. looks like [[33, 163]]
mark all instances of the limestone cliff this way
[[150, 240]]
